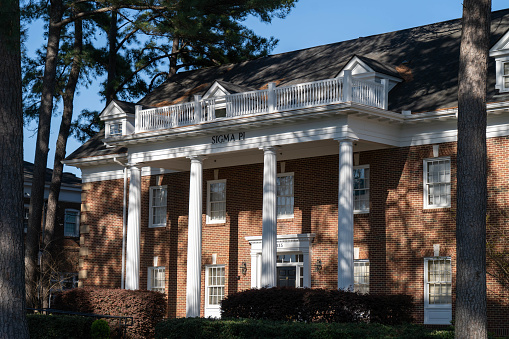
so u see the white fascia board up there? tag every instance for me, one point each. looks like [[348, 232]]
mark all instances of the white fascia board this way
[[95, 160]]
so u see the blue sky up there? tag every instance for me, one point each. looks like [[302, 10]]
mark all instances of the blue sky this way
[[311, 23]]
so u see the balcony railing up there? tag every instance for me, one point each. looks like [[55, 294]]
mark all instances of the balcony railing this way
[[280, 99]]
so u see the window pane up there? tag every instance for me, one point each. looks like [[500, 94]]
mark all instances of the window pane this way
[[361, 276], [216, 284], [285, 199]]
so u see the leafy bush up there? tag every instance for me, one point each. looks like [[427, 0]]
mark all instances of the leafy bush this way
[[146, 307], [317, 305], [100, 329], [198, 328], [58, 326]]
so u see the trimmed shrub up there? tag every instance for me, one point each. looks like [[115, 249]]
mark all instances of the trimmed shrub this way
[[146, 307], [58, 326], [100, 329], [199, 328], [317, 305]]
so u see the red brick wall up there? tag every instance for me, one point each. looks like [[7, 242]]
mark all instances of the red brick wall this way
[[395, 236]]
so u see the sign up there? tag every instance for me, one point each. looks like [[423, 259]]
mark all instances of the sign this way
[[230, 137]]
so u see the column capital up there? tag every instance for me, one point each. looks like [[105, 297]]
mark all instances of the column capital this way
[[196, 158], [268, 149], [135, 165], [350, 138]]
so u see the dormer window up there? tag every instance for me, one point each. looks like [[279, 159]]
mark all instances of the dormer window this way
[[506, 76], [115, 129], [500, 51], [221, 112]]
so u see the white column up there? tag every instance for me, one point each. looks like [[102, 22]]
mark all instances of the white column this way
[[133, 231], [194, 238], [307, 269], [254, 268], [269, 217], [345, 215]]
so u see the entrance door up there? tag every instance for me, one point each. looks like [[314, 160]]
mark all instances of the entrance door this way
[[286, 276]]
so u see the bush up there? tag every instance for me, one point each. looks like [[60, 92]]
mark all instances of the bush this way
[[58, 326], [146, 307], [100, 329], [317, 305], [198, 328]]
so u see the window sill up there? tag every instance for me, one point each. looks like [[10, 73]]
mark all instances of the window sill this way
[[361, 212], [157, 226]]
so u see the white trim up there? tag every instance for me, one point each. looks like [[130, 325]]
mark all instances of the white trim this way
[[366, 210], [164, 189], [213, 311], [150, 283], [77, 226], [438, 314], [209, 220], [287, 216], [425, 183]]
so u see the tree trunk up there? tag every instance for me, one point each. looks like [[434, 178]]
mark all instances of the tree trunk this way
[[471, 174], [41, 153], [173, 58], [63, 134], [112, 58], [13, 322]]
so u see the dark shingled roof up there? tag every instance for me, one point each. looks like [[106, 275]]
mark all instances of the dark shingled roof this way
[[67, 178], [234, 88], [425, 57], [95, 147]]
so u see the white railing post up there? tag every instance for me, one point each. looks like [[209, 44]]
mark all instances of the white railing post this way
[[385, 99], [271, 97], [347, 86], [197, 109], [137, 118]]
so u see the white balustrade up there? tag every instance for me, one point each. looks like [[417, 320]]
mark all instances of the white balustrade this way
[[305, 95]]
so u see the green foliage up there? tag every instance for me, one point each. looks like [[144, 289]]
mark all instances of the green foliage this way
[[317, 305], [244, 328], [58, 326], [100, 329]]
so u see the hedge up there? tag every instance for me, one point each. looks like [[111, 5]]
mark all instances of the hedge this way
[[317, 305], [146, 307], [58, 326], [198, 328]]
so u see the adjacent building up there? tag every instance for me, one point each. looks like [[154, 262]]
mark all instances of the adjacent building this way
[[328, 167]]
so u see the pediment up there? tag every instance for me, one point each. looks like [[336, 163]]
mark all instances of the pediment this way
[[116, 110], [216, 90], [501, 48]]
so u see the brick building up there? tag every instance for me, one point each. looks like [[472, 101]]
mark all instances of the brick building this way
[[332, 167]]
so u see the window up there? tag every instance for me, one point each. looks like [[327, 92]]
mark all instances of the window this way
[[285, 195], [115, 129], [71, 223], [156, 279], [216, 201], [157, 208], [361, 276], [437, 182], [215, 281], [506, 75], [437, 290], [361, 189]]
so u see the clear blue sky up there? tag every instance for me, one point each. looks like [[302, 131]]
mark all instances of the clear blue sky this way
[[311, 23]]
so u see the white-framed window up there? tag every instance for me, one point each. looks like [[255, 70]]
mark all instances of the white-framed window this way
[[437, 290], [71, 223], [361, 189], [26, 216], [285, 198], [361, 275], [216, 201], [157, 206], [115, 128], [156, 279], [215, 281], [505, 75], [437, 182]]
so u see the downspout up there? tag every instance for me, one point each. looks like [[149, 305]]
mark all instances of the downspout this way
[[124, 210]]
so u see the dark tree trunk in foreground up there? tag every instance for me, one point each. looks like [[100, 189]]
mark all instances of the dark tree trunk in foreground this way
[[472, 191], [112, 58], [41, 154], [58, 167], [12, 275]]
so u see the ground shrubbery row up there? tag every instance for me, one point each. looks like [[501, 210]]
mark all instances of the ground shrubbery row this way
[[146, 307], [317, 305], [58, 326], [198, 328]]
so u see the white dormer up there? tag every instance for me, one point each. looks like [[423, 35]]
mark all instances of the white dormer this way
[[500, 51], [118, 118], [361, 69]]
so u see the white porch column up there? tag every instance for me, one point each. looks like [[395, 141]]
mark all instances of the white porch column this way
[[345, 215], [133, 230], [194, 238], [269, 217]]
